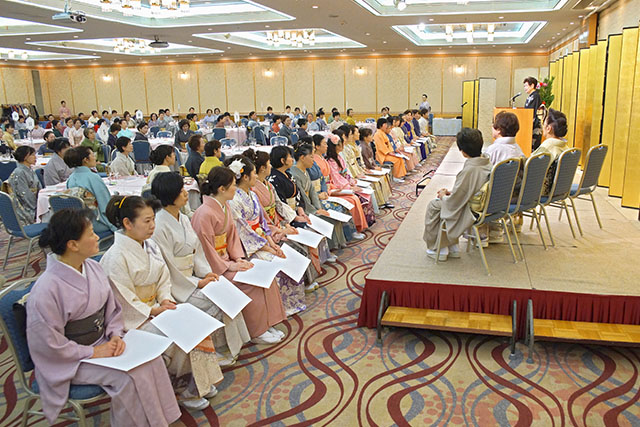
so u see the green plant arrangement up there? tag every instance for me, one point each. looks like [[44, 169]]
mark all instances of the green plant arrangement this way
[[545, 89]]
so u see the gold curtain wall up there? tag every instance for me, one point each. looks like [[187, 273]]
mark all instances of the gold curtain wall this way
[[582, 121], [468, 97], [614, 51], [599, 61], [631, 186]]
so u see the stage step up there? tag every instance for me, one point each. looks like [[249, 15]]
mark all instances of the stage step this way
[[586, 332]]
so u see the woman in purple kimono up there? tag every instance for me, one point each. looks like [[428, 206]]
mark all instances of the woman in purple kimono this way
[[72, 314]]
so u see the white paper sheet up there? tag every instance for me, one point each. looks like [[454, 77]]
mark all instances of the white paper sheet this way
[[342, 202], [382, 172], [339, 216], [306, 237], [402, 156], [261, 275], [371, 179], [366, 190], [186, 326], [294, 265], [409, 149], [141, 347], [226, 296], [363, 184], [321, 226]]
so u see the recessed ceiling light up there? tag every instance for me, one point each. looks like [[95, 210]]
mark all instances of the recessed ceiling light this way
[[367, 34], [190, 41], [579, 16], [493, 45], [28, 38], [557, 34], [75, 37], [384, 42], [571, 23], [509, 47], [553, 37], [314, 7], [450, 47], [208, 29], [500, 17], [39, 48], [431, 19], [267, 26], [228, 47], [564, 29], [406, 48]]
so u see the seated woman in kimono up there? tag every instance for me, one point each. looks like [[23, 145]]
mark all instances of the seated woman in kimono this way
[[163, 158], [91, 142], [554, 131], [369, 161], [142, 284], [63, 307], [25, 184], [255, 234], [281, 160], [56, 170], [82, 160], [188, 265], [452, 206], [218, 235], [398, 136]]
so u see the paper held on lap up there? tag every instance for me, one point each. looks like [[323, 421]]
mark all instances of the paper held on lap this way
[[321, 226], [186, 326], [306, 237], [226, 296], [409, 149], [294, 265], [261, 275], [342, 202], [366, 190], [339, 216], [382, 172], [140, 348], [344, 192], [371, 179], [363, 184]]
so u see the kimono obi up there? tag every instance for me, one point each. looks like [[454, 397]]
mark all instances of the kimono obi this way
[[291, 201], [255, 226], [317, 185], [221, 243], [88, 330], [271, 212], [147, 294], [185, 264]]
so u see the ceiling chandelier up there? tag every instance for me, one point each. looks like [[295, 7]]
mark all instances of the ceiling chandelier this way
[[127, 7], [293, 38], [133, 46]]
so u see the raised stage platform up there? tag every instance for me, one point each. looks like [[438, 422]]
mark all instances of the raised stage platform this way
[[595, 278]]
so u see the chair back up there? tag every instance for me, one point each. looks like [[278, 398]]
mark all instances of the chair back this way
[[63, 201], [40, 175], [178, 157], [6, 167], [294, 138], [146, 194], [228, 142], [244, 122], [164, 134], [565, 172], [154, 131], [535, 170], [23, 133], [141, 151], [219, 133], [501, 182], [106, 151], [279, 140], [13, 330], [114, 153], [594, 162], [370, 120], [258, 134], [9, 216]]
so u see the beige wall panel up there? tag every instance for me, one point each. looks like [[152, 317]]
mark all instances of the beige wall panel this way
[[452, 84], [426, 77], [618, 15], [519, 74], [329, 84], [393, 84], [298, 81], [185, 92], [240, 87], [486, 105], [60, 89], [159, 80], [16, 82], [361, 89], [84, 92], [44, 75], [134, 96], [212, 88], [500, 69], [108, 91], [270, 90]]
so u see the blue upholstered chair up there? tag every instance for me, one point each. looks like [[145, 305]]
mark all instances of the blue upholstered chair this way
[[164, 134], [294, 138], [258, 135], [228, 142], [219, 133], [141, 153], [370, 120], [40, 175], [6, 167], [63, 201], [589, 181], [154, 131], [279, 140], [13, 227], [14, 333]]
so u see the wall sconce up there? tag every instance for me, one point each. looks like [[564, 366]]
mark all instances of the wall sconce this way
[[459, 69], [107, 78], [268, 72], [183, 75], [361, 71]]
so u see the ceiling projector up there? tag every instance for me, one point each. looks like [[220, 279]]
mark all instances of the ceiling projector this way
[[158, 44]]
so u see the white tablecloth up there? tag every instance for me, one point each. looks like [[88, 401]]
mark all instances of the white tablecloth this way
[[155, 142], [239, 134], [35, 143], [371, 126], [446, 127]]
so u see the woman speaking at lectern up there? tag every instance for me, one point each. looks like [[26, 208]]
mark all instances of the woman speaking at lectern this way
[[534, 102]]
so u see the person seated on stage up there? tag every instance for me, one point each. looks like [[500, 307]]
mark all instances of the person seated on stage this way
[[123, 165], [370, 163], [412, 119], [56, 170], [504, 130], [554, 131], [302, 128], [285, 128], [423, 121], [190, 271], [25, 184], [163, 158], [214, 225], [195, 159], [183, 134], [212, 153], [64, 306], [385, 152], [142, 284], [452, 206]]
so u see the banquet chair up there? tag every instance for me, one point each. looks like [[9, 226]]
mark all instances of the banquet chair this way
[[535, 170], [279, 140], [258, 134], [23, 133], [178, 157], [228, 142], [141, 152], [6, 167], [164, 134], [219, 133], [40, 175], [15, 229], [370, 120], [501, 182], [154, 131], [561, 187], [244, 122], [294, 138], [589, 181], [13, 328], [106, 151], [64, 201]]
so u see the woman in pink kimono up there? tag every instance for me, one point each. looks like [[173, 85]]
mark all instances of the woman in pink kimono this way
[[255, 234], [217, 232], [142, 284], [73, 294]]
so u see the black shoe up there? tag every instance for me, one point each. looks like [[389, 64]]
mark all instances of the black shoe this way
[[388, 205]]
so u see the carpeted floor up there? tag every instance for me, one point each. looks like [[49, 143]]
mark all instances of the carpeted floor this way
[[328, 372]]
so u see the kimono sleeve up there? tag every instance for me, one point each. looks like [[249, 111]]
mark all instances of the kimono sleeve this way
[[460, 193], [251, 242], [206, 235]]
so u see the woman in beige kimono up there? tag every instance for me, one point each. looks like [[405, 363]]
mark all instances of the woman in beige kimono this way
[[142, 284], [188, 265], [452, 206], [553, 133]]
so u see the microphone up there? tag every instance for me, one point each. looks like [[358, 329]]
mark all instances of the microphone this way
[[515, 96], [466, 102]]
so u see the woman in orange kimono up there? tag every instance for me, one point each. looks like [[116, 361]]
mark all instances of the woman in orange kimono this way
[[221, 243]]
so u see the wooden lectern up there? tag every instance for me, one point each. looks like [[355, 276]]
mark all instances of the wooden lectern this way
[[525, 134]]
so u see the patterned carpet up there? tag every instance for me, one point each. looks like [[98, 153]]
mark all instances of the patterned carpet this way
[[328, 372]]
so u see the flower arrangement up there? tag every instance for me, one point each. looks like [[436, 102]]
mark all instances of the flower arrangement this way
[[545, 90]]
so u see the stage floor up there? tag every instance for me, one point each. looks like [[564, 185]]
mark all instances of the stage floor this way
[[602, 262]]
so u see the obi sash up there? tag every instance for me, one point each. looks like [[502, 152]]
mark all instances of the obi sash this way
[[291, 201], [271, 212], [255, 226], [221, 243], [317, 185], [185, 264], [88, 330], [147, 294]]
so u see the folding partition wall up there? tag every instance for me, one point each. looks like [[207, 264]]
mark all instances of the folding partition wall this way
[[598, 89], [479, 98]]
